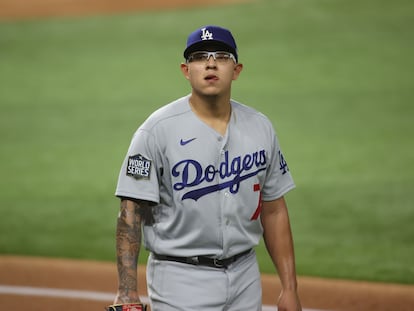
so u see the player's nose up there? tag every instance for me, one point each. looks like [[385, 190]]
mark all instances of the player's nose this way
[[211, 62]]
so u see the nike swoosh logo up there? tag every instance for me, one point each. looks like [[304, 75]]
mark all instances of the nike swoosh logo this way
[[185, 142]]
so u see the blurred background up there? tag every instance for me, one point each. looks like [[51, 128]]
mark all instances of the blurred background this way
[[334, 76]]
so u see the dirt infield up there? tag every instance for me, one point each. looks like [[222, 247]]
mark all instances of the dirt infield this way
[[93, 276], [24, 9], [101, 277]]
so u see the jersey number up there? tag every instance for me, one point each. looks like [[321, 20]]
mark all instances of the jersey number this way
[[256, 187]]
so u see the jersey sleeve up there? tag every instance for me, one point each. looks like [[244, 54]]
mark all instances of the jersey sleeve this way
[[138, 175], [278, 178]]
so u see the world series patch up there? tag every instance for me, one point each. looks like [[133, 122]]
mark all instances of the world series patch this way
[[139, 167]]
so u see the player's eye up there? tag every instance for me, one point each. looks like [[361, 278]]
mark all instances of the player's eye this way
[[221, 57], [198, 57]]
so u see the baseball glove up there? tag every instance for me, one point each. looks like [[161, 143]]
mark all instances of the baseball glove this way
[[127, 307]]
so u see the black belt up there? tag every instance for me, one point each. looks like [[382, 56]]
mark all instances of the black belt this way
[[203, 260]]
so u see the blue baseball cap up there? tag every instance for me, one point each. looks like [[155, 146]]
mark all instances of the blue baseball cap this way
[[211, 36]]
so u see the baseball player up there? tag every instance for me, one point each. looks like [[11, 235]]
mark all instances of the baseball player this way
[[204, 178]]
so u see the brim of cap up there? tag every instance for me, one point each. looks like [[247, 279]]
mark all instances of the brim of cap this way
[[203, 45]]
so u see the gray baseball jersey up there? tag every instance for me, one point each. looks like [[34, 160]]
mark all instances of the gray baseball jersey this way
[[207, 188]]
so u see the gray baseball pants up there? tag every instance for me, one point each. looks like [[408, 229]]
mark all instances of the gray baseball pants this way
[[174, 286]]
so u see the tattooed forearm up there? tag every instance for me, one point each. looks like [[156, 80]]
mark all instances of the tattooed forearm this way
[[128, 243]]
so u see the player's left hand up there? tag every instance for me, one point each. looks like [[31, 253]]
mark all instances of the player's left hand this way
[[289, 301]]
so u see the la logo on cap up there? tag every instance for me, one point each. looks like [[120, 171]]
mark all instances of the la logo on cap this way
[[206, 35]]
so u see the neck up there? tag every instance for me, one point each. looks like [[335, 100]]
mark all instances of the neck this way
[[214, 107], [213, 111]]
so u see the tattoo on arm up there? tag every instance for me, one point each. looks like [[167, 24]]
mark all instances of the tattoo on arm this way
[[128, 243]]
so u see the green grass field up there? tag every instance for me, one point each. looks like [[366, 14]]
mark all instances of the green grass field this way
[[335, 77]]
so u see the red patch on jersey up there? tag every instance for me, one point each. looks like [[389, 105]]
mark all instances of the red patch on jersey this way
[[256, 187]]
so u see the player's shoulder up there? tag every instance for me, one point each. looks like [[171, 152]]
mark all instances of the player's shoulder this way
[[173, 109], [248, 112]]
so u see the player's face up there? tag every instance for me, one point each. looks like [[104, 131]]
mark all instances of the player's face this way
[[211, 72]]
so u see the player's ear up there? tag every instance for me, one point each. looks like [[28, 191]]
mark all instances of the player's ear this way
[[237, 70], [184, 70]]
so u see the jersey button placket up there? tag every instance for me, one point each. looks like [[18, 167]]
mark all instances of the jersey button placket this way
[[226, 197]]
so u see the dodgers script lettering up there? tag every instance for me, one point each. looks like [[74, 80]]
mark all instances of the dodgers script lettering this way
[[191, 173]]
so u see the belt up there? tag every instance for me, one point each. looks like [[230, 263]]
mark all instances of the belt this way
[[203, 260]]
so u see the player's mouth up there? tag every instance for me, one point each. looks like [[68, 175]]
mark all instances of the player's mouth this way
[[211, 78]]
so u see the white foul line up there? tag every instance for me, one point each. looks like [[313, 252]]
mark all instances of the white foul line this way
[[54, 292], [78, 294]]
